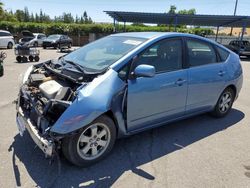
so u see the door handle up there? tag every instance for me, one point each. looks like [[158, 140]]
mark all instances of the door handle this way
[[180, 81], [221, 73]]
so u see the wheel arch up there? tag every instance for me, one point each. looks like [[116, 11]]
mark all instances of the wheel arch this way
[[233, 87], [111, 115]]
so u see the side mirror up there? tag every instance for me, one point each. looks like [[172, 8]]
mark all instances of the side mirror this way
[[144, 71]]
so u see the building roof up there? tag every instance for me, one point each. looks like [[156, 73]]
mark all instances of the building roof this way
[[182, 19]]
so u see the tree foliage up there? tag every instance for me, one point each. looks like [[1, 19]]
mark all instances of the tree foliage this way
[[26, 16], [21, 20]]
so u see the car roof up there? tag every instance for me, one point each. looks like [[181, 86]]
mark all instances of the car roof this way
[[150, 35], [4, 31], [38, 34]]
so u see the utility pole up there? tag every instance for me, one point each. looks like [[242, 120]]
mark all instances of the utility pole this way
[[235, 9]]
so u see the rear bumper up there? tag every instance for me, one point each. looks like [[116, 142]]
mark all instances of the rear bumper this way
[[46, 145]]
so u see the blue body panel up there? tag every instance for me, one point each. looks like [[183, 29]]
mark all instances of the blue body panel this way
[[152, 100], [142, 103]]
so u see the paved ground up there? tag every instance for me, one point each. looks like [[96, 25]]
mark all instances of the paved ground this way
[[198, 152]]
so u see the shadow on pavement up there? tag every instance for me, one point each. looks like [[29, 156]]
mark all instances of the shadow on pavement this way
[[128, 154]]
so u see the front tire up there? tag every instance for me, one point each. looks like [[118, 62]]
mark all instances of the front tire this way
[[92, 143], [10, 45], [224, 103]]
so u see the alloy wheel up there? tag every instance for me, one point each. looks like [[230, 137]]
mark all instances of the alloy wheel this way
[[93, 141], [225, 102]]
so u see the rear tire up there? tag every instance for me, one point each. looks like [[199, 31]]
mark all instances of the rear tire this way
[[224, 103], [44, 47], [92, 143]]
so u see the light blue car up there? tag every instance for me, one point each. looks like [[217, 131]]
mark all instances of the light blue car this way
[[124, 84]]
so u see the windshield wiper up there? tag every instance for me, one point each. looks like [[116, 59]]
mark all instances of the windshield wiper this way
[[77, 66]]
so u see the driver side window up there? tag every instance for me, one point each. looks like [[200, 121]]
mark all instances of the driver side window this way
[[165, 56]]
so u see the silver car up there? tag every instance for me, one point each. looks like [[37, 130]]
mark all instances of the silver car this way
[[32, 39]]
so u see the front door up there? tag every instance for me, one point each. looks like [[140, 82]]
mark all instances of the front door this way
[[163, 97]]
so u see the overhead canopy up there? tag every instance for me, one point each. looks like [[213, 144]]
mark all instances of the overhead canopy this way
[[181, 19]]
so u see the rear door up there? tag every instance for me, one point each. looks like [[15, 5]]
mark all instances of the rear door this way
[[163, 97], [206, 75]]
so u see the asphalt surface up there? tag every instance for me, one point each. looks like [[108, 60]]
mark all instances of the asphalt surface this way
[[197, 152]]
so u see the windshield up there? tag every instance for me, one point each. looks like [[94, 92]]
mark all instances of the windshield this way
[[102, 53], [53, 36]]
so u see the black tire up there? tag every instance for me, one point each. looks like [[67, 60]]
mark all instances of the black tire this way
[[37, 58], [44, 47], [10, 45], [35, 44], [57, 46], [70, 45], [31, 58], [70, 144], [19, 59], [218, 110], [24, 59]]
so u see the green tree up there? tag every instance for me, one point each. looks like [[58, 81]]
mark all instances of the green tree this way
[[172, 9], [1, 10], [190, 11], [19, 14]]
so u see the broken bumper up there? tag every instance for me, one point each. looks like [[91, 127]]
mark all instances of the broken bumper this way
[[47, 146]]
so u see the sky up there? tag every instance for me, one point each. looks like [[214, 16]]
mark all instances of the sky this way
[[95, 8]]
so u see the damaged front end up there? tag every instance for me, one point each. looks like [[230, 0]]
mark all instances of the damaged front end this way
[[47, 91]]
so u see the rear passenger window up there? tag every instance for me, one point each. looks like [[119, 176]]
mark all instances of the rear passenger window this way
[[200, 53], [223, 54]]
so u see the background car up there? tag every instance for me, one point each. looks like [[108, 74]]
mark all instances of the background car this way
[[240, 47], [121, 85], [32, 39], [6, 39], [57, 41]]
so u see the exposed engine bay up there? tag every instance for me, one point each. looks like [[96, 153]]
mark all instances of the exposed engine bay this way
[[48, 91]]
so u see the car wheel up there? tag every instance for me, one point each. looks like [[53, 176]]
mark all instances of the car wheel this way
[[70, 45], [24, 59], [10, 45], [36, 58], [224, 103], [19, 59], [31, 58], [44, 47], [35, 44], [57, 46], [91, 144]]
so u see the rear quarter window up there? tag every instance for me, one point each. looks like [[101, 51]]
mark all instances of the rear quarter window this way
[[222, 53]]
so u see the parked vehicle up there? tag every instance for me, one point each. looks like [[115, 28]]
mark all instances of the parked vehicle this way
[[6, 39], [121, 85], [240, 47], [32, 39], [57, 41], [3, 55]]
